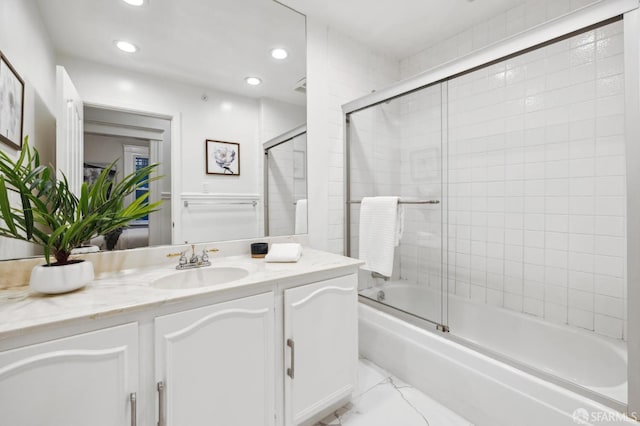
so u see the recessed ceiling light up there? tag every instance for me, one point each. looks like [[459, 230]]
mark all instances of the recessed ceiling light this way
[[253, 81], [134, 2], [125, 46], [279, 53]]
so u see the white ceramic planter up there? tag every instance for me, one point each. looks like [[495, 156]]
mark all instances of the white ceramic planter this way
[[61, 279]]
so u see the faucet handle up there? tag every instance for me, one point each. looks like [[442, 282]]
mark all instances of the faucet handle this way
[[205, 254], [194, 256], [179, 254]]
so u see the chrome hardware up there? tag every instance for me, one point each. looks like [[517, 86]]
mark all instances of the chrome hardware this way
[[194, 257], [407, 201], [187, 203], [194, 261], [379, 275], [291, 371], [443, 328], [134, 409], [162, 415], [380, 296]]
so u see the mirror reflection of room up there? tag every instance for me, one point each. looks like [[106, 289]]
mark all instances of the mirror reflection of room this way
[[95, 100], [286, 205]]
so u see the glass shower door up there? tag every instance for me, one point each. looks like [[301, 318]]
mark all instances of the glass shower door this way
[[396, 149], [285, 185]]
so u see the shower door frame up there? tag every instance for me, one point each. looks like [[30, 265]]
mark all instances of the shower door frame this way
[[272, 143], [565, 26]]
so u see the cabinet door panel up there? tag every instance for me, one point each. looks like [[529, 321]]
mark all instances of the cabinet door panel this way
[[75, 381], [321, 319], [217, 363]]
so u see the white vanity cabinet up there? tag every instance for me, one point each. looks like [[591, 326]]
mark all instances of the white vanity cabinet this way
[[215, 364], [277, 352], [321, 343], [85, 379]]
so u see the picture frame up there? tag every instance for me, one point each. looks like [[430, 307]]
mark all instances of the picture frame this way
[[91, 171], [299, 162], [222, 158], [11, 104]]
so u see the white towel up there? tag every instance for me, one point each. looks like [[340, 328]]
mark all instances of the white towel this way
[[287, 252], [301, 217], [380, 232]]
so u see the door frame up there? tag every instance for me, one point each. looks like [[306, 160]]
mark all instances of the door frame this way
[[175, 118]]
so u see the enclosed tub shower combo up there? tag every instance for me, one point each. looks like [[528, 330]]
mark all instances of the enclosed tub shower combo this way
[[508, 297]]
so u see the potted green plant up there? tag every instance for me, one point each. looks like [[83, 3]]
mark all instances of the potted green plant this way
[[47, 213]]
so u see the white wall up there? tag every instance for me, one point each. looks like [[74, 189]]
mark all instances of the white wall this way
[[105, 149], [277, 117], [24, 41], [339, 69]]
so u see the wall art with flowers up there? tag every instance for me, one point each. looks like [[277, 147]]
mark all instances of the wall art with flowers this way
[[223, 158], [11, 104]]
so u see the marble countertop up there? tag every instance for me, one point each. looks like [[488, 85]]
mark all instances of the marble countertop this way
[[130, 290]]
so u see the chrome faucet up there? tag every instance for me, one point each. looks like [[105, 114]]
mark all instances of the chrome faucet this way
[[194, 261]]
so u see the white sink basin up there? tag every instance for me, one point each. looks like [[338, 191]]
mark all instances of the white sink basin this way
[[201, 277]]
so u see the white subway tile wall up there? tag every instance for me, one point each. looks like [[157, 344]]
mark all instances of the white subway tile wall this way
[[536, 217], [355, 70], [537, 183]]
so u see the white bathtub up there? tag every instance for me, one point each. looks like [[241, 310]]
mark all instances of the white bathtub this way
[[483, 388]]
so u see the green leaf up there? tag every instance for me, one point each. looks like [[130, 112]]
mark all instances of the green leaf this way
[[52, 216], [5, 207], [28, 215]]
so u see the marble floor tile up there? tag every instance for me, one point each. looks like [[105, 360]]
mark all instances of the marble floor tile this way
[[369, 375], [383, 400]]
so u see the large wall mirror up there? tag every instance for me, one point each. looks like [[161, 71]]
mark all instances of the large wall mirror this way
[[231, 72]]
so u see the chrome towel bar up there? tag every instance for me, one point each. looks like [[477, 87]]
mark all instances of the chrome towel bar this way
[[405, 201]]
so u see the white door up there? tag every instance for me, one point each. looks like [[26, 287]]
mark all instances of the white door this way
[[321, 344], [215, 365], [69, 130], [87, 379]]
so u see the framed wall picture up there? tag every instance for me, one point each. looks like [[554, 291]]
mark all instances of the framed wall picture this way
[[11, 104], [223, 158]]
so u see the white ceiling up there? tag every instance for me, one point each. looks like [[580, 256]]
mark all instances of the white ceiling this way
[[211, 43], [401, 28]]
